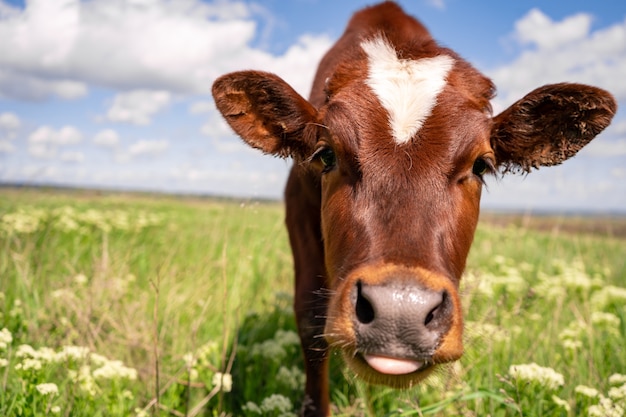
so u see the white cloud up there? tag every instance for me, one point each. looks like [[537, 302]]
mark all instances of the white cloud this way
[[619, 173], [144, 147], [563, 51], [222, 136], [537, 28], [9, 121], [61, 46], [137, 106], [437, 4], [606, 148], [139, 148], [618, 128], [200, 107], [6, 10], [6, 147], [41, 151], [67, 135], [45, 140], [297, 65], [107, 138], [72, 156], [9, 125], [215, 126], [14, 84]]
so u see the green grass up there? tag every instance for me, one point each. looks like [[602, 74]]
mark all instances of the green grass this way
[[183, 307]]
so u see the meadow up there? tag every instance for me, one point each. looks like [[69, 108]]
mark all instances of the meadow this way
[[145, 305]]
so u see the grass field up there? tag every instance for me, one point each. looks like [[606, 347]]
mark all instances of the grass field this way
[[117, 305]]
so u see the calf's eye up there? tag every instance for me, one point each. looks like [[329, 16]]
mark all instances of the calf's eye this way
[[481, 167], [327, 157]]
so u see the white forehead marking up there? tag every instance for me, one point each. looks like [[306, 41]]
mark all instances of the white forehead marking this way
[[406, 88]]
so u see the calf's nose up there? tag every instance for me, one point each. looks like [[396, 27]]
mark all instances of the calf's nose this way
[[403, 320]]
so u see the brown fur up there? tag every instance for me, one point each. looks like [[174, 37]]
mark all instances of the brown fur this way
[[386, 209]]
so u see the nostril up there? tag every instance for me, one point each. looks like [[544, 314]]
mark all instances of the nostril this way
[[436, 311], [364, 310], [430, 316]]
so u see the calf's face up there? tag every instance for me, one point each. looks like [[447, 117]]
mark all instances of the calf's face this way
[[399, 149], [402, 152]]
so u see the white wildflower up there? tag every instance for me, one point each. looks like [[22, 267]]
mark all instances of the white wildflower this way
[[269, 349], [190, 360], [46, 354], [618, 394], [23, 221], [546, 377], [605, 408], [206, 352], [605, 321], [617, 379], [119, 219], [560, 402], [223, 382], [95, 218], [55, 409], [43, 354], [48, 389], [3, 362], [571, 337], [586, 391], [61, 293], [77, 353], [252, 408], [24, 351], [65, 220], [119, 286], [572, 345], [29, 364], [5, 338], [140, 412], [487, 331], [276, 402], [292, 378], [84, 379], [509, 279], [97, 360], [287, 337], [608, 295], [115, 370], [80, 279], [568, 277], [16, 310]]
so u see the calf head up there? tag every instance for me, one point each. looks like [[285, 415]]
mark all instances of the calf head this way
[[398, 146]]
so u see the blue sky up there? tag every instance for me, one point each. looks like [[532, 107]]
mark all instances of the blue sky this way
[[116, 94]]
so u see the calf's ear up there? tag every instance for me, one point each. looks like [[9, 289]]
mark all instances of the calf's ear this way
[[266, 112], [549, 125]]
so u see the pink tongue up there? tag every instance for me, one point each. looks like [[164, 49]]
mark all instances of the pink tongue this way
[[392, 366]]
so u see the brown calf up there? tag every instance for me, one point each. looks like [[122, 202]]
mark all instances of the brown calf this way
[[383, 197]]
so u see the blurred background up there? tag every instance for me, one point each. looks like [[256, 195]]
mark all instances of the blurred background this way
[[113, 94]]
